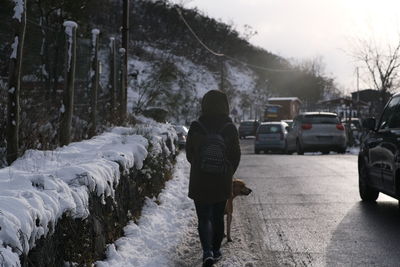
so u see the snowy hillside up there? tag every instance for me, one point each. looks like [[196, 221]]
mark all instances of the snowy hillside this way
[[177, 84]]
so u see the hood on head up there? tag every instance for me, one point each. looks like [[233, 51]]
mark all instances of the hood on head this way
[[215, 102]]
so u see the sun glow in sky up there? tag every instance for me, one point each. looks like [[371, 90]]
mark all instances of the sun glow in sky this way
[[305, 29]]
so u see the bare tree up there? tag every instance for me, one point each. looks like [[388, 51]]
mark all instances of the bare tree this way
[[382, 64]]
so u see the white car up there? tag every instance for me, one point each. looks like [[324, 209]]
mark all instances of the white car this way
[[317, 131]]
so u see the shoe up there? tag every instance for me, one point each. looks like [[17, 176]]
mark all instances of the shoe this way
[[208, 262], [208, 259], [217, 255]]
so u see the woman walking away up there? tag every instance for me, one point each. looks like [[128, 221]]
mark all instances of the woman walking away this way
[[213, 150]]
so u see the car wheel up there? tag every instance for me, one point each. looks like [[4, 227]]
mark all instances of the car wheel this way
[[342, 150], [299, 148], [257, 151], [367, 193], [325, 152]]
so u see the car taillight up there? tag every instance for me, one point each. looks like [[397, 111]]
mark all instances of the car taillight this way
[[340, 127], [306, 126]]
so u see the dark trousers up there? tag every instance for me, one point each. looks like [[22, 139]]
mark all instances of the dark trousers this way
[[210, 225]]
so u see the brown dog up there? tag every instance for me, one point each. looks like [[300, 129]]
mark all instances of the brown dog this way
[[238, 189]]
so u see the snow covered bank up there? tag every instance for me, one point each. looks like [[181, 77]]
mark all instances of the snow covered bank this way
[[42, 186]]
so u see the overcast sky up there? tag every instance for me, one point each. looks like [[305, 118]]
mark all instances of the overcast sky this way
[[305, 29]]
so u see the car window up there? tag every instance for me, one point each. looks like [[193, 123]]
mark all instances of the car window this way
[[391, 115], [270, 129], [321, 119], [247, 123]]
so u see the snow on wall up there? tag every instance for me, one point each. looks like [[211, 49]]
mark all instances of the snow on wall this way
[[41, 186]]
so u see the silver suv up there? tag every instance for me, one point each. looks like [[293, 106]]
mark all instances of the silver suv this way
[[316, 131]]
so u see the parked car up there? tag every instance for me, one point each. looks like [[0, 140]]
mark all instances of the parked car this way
[[316, 131], [271, 136], [378, 159], [182, 133], [248, 128]]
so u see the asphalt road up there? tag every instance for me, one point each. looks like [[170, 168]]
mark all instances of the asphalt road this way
[[306, 211]]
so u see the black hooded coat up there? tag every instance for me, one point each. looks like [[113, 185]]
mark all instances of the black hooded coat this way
[[207, 188]]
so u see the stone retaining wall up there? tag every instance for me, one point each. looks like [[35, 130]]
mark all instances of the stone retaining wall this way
[[83, 241]]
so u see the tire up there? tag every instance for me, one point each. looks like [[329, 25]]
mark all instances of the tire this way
[[257, 151], [341, 150], [367, 193], [299, 148]]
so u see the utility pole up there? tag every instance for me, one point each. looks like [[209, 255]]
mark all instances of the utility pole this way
[[221, 60], [14, 81], [125, 41]]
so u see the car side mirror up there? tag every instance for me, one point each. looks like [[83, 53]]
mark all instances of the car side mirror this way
[[369, 124]]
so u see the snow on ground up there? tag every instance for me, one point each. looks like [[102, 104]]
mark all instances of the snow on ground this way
[[152, 240], [38, 188]]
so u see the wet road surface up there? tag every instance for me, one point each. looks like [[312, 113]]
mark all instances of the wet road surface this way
[[306, 211]]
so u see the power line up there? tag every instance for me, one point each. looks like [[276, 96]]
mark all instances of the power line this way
[[224, 55], [196, 36], [257, 66]]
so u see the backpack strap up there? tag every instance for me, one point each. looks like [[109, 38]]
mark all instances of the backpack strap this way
[[219, 131], [202, 126], [224, 126]]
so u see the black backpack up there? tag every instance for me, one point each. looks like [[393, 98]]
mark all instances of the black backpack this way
[[212, 157]]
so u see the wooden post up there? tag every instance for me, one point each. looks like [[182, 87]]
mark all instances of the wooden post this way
[[113, 78], [14, 81], [222, 88], [94, 81], [67, 105], [125, 41], [122, 92]]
